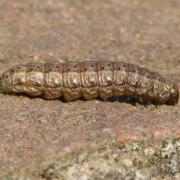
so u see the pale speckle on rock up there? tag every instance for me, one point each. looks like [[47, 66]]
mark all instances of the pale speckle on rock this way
[[148, 152]]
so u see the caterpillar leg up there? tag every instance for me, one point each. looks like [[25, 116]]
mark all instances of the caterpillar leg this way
[[89, 94], [71, 94], [52, 93], [105, 93]]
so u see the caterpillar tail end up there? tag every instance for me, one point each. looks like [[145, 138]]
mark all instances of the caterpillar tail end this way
[[174, 96]]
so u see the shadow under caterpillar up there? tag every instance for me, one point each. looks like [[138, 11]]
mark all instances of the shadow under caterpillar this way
[[89, 80]]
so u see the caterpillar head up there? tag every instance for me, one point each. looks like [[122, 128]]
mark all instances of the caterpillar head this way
[[174, 95], [2, 85]]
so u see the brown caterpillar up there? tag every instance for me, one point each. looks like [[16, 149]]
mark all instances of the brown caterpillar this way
[[89, 80]]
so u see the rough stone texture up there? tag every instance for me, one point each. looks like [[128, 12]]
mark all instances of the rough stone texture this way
[[38, 135], [128, 161]]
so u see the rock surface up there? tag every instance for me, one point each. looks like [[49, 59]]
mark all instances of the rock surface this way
[[42, 139]]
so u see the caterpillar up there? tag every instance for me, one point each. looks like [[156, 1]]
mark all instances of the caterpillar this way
[[88, 80]]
